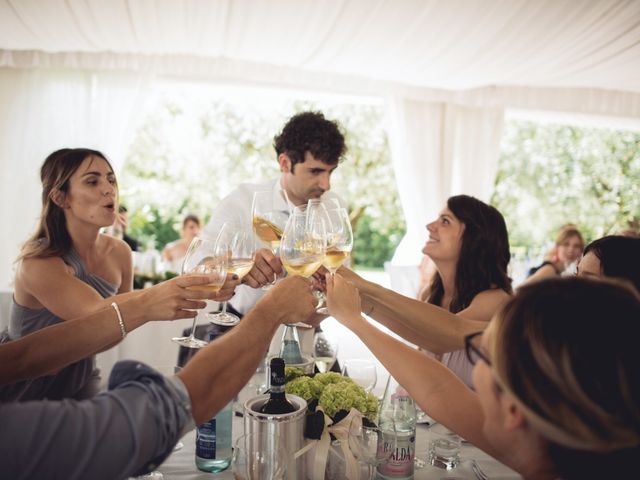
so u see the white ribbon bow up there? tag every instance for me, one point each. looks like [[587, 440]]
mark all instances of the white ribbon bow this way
[[340, 430]]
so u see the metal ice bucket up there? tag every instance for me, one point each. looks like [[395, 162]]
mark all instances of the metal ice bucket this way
[[288, 427]]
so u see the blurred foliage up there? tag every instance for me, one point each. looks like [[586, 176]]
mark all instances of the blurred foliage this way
[[190, 153], [550, 175]]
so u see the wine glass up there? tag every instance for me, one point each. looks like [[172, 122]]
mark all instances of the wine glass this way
[[241, 251], [371, 445], [259, 456], [303, 243], [269, 214], [325, 351], [363, 372], [301, 251], [339, 242], [207, 257]]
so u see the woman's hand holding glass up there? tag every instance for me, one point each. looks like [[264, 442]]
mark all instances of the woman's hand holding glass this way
[[204, 257], [241, 248], [177, 298], [343, 300]]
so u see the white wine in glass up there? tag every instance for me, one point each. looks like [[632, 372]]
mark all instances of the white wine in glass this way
[[339, 239], [207, 257], [267, 231], [334, 259], [269, 214], [303, 244], [339, 242], [241, 248]]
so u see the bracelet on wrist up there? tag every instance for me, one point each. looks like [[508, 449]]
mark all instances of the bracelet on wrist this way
[[123, 332]]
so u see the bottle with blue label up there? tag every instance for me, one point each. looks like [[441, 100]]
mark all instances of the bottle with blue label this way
[[213, 442]]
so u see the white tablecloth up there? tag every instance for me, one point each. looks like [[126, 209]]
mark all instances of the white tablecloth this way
[[181, 464]]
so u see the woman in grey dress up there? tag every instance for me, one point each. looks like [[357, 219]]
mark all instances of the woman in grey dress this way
[[68, 269]]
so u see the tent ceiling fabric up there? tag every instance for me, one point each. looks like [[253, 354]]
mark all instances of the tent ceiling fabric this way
[[449, 44]]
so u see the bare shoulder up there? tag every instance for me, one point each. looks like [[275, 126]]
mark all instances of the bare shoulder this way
[[114, 246], [485, 304], [37, 266], [34, 273]]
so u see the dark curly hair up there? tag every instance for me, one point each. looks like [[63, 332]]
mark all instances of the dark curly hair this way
[[310, 132], [484, 253]]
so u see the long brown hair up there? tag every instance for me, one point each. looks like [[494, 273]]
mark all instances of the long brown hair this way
[[484, 253], [51, 238], [566, 349]]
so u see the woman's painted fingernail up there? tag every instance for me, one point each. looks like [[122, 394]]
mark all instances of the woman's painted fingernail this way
[[235, 277]]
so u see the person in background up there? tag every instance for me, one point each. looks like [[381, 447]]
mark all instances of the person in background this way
[[119, 228], [556, 377], [173, 253], [133, 428], [469, 246], [566, 252], [308, 150], [613, 256]]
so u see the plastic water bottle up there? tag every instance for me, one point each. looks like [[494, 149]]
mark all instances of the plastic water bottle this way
[[213, 442], [398, 409], [290, 347]]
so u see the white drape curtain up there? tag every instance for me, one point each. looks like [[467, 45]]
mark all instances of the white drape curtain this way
[[47, 109], [439, 150]]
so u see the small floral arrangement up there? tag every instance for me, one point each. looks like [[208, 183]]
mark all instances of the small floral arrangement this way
[[332, 391], [336, 406]]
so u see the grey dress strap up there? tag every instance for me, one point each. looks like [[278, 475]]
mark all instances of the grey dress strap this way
[[78, 380]]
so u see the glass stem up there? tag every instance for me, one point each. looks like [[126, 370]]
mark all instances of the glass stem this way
[[193, 327], [224, 307]]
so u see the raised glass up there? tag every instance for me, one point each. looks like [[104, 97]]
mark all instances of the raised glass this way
[[240, 240], [205, 257], [269, 215]]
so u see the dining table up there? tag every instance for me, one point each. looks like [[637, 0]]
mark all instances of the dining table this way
[[180, 465]]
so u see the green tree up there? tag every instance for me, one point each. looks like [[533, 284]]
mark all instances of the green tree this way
[[550, 175], [188, 154]]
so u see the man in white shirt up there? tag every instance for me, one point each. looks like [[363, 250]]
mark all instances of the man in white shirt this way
[[308, 149]]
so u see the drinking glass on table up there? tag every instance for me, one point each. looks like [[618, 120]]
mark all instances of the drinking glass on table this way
[[339, 242], [259, 456], [240, 240], [444, 447], [372, 446], [325, 351], [205, 256], [363, 372], [269, 214]]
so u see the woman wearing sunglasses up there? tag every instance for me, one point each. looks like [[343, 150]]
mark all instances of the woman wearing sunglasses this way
[[556, 374]]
